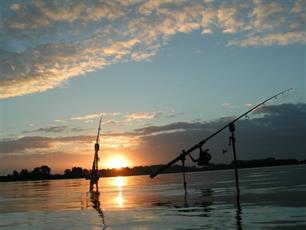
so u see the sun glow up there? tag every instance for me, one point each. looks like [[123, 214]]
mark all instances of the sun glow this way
[[116, 162]]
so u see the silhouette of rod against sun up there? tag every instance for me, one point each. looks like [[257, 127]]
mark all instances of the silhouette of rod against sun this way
[[94, 174]]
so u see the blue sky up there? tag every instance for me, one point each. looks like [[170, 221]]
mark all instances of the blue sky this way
[[142, 64]]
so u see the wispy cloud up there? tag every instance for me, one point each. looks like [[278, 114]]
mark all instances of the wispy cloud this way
[[141, 116], [51, 129], [45, 43], [116, 118], [90, 117], [272, 39], [55, 129], [86, 118], [59, 121]]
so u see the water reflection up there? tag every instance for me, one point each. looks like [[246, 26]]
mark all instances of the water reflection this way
[[201, 202], [238, 212], [95, 200], [119, 199], [119, 182], [199, 205], [159, 204]]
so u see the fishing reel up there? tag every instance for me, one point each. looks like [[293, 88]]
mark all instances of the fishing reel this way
[[204, 157]]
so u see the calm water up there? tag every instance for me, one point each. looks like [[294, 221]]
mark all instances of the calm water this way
[[271, 198]]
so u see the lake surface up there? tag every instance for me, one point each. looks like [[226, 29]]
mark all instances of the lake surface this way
[[270, 198]]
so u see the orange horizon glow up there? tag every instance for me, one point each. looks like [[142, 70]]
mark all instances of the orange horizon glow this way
[[116, 162]]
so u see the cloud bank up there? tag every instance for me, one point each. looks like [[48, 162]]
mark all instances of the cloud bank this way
[[273, 131], [45, 43]]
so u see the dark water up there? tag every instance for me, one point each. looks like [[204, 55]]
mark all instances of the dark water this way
[[270, 198]]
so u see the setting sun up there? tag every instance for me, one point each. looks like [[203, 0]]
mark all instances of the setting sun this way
[[117, 162]]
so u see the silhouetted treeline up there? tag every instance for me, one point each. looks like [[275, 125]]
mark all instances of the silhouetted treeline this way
[[44, 172], [76, 172], [38, 173]]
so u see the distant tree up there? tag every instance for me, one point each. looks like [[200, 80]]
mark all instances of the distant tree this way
[[85, 172], [77, 172], [67, 172], [24, 173], [35, 171], [43, 171], [15, 173]]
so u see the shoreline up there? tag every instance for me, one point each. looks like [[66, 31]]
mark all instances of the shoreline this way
[[147, 170]]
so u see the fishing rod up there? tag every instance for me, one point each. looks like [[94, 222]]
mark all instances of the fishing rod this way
[[94, 177], [183, 155], [98, 135]]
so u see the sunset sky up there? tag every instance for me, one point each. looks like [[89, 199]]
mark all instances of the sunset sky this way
[[164, 74]]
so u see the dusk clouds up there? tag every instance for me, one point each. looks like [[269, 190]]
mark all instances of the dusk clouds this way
[[45, 43], [272, 131]]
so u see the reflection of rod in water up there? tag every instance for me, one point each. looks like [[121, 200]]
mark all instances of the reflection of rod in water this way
[[232, 142], [201, 143], [94, 197], [184, 178], [94, 175], [238, 213]]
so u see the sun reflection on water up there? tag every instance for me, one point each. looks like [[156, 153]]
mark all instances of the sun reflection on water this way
[[119, 182], [120, 199]]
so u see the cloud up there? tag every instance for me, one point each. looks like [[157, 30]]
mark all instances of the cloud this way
[[88, 117], [278, 132], [144, 54], [43, 44], [267, 15], [272, 131], [272, 39], [173, 127], [44, 13], [299, 6], [59, 121], [23, 144], [141, 116], [134, 118], [227, 17], [55, 129], [51, 129], [31, 144], [290, 110], [123, 119]]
